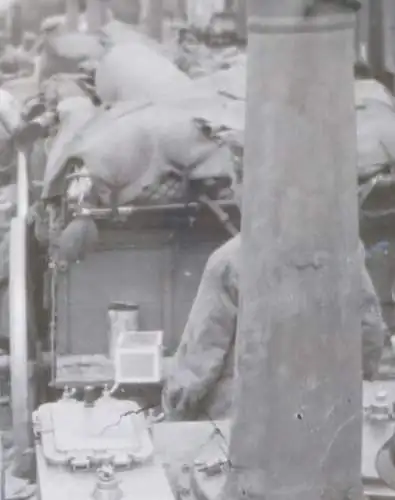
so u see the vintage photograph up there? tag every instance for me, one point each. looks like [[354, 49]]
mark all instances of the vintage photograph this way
[[197, 249]]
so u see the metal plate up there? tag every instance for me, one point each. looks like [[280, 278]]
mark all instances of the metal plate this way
[[73, 434], [148, 482]]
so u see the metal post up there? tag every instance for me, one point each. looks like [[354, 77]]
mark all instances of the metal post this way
[[296, 432], [22, 187], [19, 370]]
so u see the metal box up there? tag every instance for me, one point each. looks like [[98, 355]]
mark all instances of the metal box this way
[[138, 357]]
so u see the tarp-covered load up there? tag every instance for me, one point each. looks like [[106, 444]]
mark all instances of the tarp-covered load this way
[[119, 33], [22, 88], [64, 53], [230, 81], [375, 114], [60, 87], [163, 125], [133, 149], [15, 60], [133, 72]]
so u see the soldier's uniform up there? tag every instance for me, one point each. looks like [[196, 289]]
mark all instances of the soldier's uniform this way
[[199, 384]]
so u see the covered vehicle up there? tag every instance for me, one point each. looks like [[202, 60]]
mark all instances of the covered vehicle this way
[[156, 154], [64, 53], [137, 197]]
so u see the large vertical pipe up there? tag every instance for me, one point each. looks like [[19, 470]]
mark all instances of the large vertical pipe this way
[[18, 303], [296, 433]]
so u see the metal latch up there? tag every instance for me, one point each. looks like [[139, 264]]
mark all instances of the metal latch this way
[[381, 410], [80, 463]]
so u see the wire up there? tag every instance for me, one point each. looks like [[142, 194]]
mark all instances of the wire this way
[[126, 414], [218, 432]]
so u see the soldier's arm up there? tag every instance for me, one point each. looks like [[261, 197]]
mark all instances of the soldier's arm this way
[[205, 343], [373, 325]]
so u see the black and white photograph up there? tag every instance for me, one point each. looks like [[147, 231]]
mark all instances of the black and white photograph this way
[[197, 249]]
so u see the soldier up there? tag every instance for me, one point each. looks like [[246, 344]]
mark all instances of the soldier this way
[[199, 382]]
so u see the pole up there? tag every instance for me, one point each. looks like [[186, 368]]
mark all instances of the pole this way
[[18, 307], [296, 433], [154, 19]]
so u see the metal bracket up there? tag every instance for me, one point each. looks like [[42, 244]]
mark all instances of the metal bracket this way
[[312, 8]]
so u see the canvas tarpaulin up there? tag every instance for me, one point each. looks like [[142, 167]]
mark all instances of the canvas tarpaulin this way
[[133, 71], [64, 52], [375, 114], [138, 153], [60, 87], [119, 33], [147, 142]]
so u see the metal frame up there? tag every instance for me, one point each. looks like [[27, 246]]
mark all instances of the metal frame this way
[[18, 304]]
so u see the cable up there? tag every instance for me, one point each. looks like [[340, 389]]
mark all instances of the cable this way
[[126, 414], [218, 432]]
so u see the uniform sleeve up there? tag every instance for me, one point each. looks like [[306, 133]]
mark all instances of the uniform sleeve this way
[[206, 341], [373, 325]]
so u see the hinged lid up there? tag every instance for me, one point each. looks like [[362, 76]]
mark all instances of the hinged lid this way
[[84, 437]]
